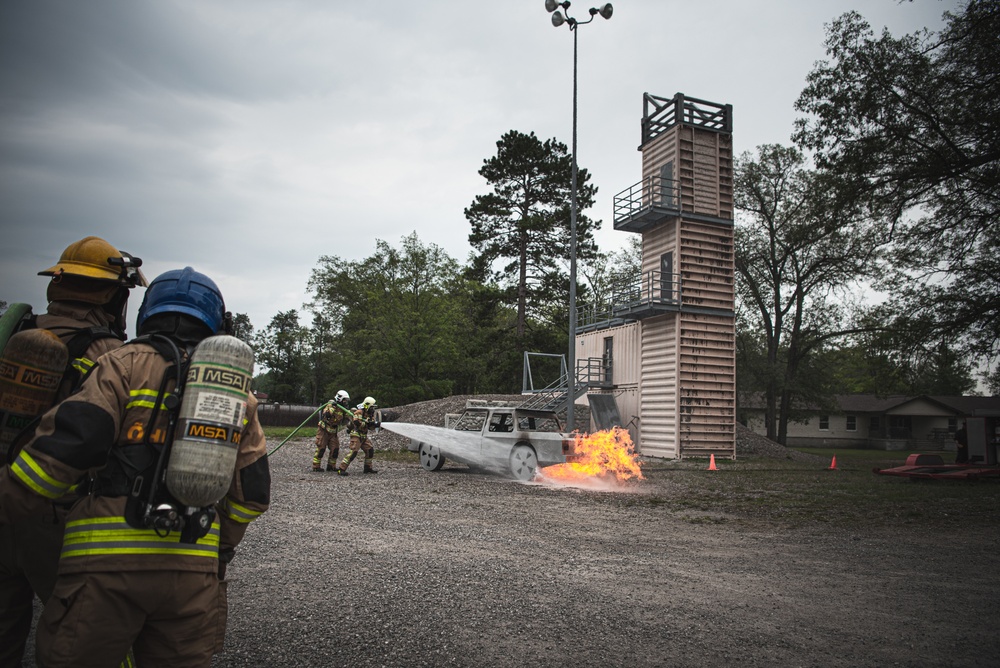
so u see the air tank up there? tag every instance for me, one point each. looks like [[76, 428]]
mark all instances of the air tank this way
[[210, 422], [31, 369]]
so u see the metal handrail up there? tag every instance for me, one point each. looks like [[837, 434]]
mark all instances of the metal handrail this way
[[661, 113], [652, 288], [595, 371], [651, 191]]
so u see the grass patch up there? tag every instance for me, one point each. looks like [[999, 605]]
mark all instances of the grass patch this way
[[281, 433], [889, 457], [751, 490]]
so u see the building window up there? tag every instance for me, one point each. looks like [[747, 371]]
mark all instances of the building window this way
[[852, 423], [873, 424], [952, 424], [824, 423]]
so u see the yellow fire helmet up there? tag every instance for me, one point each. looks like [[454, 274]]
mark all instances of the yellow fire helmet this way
[[93, 257]]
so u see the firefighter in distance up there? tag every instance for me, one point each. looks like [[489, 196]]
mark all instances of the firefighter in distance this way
[[332, 417], [362, 420], [88, 291], [128, 574]]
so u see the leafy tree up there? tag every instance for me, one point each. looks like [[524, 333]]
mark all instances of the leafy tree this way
[[321, 358], [798, 251], [280, 349], [400, 322], [608, 274], [912, 125], [525, 221], [992, 378], [242, 328], [877, 362]]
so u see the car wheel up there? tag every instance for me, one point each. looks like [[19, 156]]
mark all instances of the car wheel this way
[[431, 457], [523, 462]]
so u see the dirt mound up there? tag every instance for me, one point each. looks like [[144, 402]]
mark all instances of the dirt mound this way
[[433, 413]]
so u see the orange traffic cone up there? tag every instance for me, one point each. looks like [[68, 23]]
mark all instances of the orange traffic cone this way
[[833, 464], [711, 463]]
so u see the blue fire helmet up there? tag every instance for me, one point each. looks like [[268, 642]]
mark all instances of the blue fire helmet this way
[[184, 291]]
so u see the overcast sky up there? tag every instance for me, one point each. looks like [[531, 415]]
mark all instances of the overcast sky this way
[[247, 139]]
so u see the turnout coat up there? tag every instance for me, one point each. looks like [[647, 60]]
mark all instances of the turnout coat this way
[[108, 420]]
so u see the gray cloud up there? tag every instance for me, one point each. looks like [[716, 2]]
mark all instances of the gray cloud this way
[[247, 139]]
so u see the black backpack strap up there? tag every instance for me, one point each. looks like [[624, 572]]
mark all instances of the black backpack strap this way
[[131, 468]]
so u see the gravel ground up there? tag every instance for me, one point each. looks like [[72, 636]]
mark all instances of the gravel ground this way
[[460, 568]]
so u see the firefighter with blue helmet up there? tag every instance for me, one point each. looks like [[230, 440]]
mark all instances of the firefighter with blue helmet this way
[[135, 569], [364, 419], [87, 293]]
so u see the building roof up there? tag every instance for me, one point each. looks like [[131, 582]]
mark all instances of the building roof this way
[[873, 403]]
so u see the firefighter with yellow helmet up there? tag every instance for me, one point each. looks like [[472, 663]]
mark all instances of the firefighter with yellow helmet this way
[[362, 420], [332, 417], [145, 550], [87, 293]]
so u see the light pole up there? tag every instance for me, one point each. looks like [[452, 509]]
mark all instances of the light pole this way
[[557, 9]]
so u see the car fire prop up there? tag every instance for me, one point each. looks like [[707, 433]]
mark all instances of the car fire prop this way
[[525, 444], [600, 458]]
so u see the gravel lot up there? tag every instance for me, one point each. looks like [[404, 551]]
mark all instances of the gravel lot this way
[[459, 568]]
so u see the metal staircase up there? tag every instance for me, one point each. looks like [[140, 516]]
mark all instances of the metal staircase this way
[[590, 372]]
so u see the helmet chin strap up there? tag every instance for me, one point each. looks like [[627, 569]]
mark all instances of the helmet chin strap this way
[[117, 308]]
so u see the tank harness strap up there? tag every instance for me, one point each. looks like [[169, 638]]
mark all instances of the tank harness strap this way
[[131, 467]]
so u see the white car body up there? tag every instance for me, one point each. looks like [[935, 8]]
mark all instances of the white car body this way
[[503, 439]]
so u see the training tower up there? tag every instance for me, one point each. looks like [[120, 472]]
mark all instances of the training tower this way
[[664, 344]]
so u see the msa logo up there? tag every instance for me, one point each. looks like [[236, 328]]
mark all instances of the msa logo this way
[[40, 379], [225, 378], [208, 432]]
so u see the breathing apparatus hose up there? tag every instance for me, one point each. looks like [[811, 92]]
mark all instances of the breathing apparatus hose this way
[[278, 447]]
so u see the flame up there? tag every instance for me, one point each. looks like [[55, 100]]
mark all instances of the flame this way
[[598, 455]]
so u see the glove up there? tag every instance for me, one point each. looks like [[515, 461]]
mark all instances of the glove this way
[[225, 556]]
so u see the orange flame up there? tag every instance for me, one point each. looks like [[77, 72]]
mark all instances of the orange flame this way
[[599, 455]]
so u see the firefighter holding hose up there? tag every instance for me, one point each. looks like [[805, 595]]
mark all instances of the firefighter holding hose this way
[[362, 421], [332, 417]]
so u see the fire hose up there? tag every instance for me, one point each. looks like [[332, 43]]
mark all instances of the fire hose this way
[[278, 447]]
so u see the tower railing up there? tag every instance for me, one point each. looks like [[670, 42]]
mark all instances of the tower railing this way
[[653, 193], [659, 114], [646, 294]]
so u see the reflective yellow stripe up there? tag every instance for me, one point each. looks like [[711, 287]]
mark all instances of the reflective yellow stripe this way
[[83, 365], [112, 535], [238, 513], [143, 399], [27, 470]]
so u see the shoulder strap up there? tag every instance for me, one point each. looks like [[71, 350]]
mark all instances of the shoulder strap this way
[[83, 338], [79, 365]]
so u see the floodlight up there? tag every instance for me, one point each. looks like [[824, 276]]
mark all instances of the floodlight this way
[[557, 19]]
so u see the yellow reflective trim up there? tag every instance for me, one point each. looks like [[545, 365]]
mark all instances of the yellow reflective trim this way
[[238, 513], [122, 534], [53, 488], [137, 550], [143, 399], [83, 365], [118, 538]]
